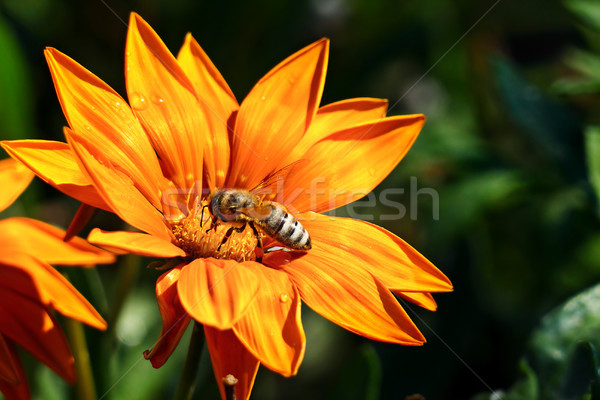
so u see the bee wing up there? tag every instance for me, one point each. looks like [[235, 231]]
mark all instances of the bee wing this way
[[257, 212], [275, 180]]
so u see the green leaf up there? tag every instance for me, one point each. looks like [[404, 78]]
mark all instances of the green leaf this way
[[584, 62], [553, 343], [526, 388], [587, 64], [586, 10], [582, 372], [574, 86], [592, 149], [360, 378]]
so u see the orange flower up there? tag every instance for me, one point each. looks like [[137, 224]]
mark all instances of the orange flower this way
[[30, 289], [184, 135]]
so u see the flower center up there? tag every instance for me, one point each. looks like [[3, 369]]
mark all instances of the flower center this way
[[199, 237]]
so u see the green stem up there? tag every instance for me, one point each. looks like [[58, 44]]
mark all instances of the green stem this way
[[126, 280], [128, 273], [95, 287], [187, 381], [86, 389]]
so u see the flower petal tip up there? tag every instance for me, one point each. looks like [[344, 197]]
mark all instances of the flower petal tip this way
[[189, 38], [133, 17], [137, 22], [101, 324], [324, 41]]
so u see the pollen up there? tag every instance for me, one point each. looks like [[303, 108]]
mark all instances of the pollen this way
[[201, 237]]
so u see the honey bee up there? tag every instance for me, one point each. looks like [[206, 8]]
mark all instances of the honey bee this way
[[249, 207]]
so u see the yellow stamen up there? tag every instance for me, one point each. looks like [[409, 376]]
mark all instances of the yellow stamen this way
[[204, 240]]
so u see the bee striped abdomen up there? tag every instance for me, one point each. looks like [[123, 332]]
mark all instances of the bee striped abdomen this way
[[286, 229]]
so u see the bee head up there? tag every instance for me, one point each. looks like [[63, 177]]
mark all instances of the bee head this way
[[225, 203]]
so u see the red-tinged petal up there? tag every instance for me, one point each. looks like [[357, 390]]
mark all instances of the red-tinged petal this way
[[117, 189], [424, 300], [230, 357], [164, 100], [217, 292], [219, 102], [45, 242], [9, 363], [13, 386], [335, 117], [19, 392], [364, 155], [276, 113], [15, 178], [175, 318], [349, 296], [28, 324], [124, 242], [55, 163], [93, 107], [386, 256], [43, 284], [271, 328], [82, 217]]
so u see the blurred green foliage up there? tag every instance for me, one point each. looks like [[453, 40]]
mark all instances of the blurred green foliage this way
[[511, 152]]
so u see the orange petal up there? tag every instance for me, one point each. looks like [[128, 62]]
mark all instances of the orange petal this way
[[230, 357], [45, 242], [124, 242], [93, 107], [43, 284], [219, 103], [335, 117], [271, 328], [424, 300], [348, 164], [13, 387], [276, 113], [28, 324], [175, 318], [383, 254], [117, 189], [348, 295], [15, 178], [164, 100], [217, 292], [55, 163]]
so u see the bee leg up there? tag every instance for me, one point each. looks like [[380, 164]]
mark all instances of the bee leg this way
[[229, 232], [213, 225], [259, 243], [202, 215]]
